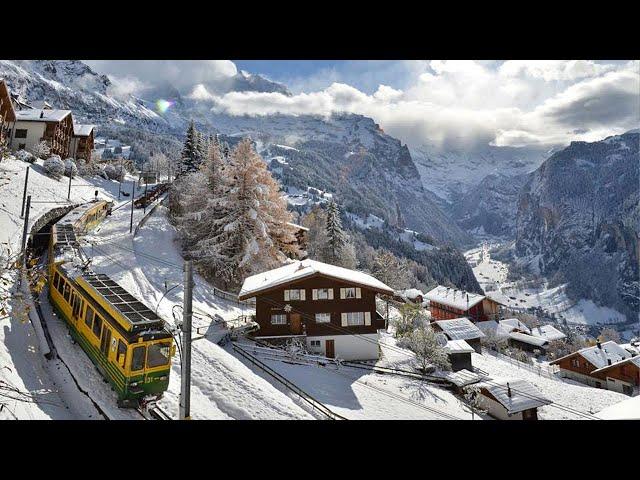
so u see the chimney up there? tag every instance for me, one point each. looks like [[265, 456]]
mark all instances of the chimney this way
[[508, 390], [599, 344], [41, 113], [609, 361]]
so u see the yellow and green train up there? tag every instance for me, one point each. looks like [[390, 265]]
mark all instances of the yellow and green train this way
[[129, 344]]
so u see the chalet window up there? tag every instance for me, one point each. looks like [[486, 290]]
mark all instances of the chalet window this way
[[294, 294], [20, 133], [279, 319], [322, 293], [350, 319], [323, 317], [350, 292], [315, 343]]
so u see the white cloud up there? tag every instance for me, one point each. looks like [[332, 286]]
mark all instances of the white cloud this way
[[554, 69]]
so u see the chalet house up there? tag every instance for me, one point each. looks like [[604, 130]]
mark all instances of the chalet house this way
[[528, 342], [511, 399], [548, 332], [446, 303], [332, 309], [514, 325], [491, 328], [7, 114], [53, 126], [460, 329], [591, 366], [410, 295], [82, 142]]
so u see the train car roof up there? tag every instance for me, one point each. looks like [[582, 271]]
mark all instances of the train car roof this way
[[133, 310]]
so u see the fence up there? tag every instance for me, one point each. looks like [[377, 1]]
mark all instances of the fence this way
[[232, 297], [315, 404], [547, 371]]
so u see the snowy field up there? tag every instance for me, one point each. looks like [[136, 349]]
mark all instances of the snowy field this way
[[572, 400], [492, 277]]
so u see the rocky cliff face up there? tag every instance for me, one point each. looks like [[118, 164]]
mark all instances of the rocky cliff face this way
[[491, 206], [579, 220]]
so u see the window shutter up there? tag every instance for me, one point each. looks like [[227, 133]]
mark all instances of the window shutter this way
[[302, 294], [344, 319], [286, 295], [342, 293], [358, 293], [331, 294], [314, 294], [367, 318]]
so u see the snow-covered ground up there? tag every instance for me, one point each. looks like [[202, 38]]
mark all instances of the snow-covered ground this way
[[569, 397], [222, 386], [492, 277]]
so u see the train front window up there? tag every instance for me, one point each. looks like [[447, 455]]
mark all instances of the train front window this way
[[137, 360], [158, 354]]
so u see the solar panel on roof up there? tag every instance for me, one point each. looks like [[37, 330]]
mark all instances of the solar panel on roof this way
[[130, 307]]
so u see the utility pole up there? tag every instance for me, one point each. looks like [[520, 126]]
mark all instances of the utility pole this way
[[24, 194], [69, 194], [185, 375], [146, 183], [133, 192], [25, 230]]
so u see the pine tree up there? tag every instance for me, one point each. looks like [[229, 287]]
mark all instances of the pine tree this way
[[335, 234], [190, 152]]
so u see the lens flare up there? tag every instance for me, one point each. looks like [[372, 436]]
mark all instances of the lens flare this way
[[163, 105]]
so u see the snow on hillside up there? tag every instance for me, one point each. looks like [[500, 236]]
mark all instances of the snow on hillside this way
[[222, 387], [564, 392]]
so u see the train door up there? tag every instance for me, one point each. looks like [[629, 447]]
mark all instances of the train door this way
[[105, 341]]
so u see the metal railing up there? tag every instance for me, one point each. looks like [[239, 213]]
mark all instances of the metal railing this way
[[315, 404]]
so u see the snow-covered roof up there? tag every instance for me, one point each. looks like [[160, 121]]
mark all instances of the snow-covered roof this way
[[299, 227], [82, 130], [464, 377], [631, 347], [303, 269], [547, 331], [599, 356], [458, 346], [511, 324], [635, 360], [530, 339], [625, 410], [454, 298], [459, 329], [491, 327], [523, 395], [409, 293], [38, 115]]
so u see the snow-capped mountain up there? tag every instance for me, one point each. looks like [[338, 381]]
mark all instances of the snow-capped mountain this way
[[579, 220], [349, 155], [452, 173]]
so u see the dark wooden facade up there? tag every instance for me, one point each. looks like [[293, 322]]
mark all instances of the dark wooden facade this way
[[440, 311], [7, 113], [460, 361], [301, 317], [58, 136], [84, 146]]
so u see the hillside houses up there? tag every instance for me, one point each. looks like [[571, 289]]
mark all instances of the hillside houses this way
[[24, 126], [331, 309], [511, 399], [604, 365]]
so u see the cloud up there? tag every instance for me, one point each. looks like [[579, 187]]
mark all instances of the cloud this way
[[182, 74], [550, 70]]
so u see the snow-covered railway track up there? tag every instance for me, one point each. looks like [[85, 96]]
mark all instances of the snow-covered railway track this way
[[154, 413]]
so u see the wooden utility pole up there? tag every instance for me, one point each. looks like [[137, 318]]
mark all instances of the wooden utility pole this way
[[185, 374], [133, 192], [69, 194], [25, 229], [24, 194]]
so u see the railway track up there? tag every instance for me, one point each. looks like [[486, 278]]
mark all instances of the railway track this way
[[154, 413]]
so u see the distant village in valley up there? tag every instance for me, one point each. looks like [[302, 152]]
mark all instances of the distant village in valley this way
[[281, 300]]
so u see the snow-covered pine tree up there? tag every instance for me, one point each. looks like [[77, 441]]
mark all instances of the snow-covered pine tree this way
[[335, 234], [251, 228], [190, 152]]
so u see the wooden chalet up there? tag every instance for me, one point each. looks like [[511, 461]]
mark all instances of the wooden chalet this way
[[446, 303], [604, 365], [7, 114], [331, 309], [82, 142], [53, 126], [511, 399]]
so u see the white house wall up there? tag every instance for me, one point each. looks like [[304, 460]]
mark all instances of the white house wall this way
[[496, 410], [348, 347], [35, 132]]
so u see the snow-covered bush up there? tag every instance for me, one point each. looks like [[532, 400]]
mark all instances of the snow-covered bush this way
[[41, 149], [70, 168], [411, 316], [54, 166], [114, 172], [25, 156]]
